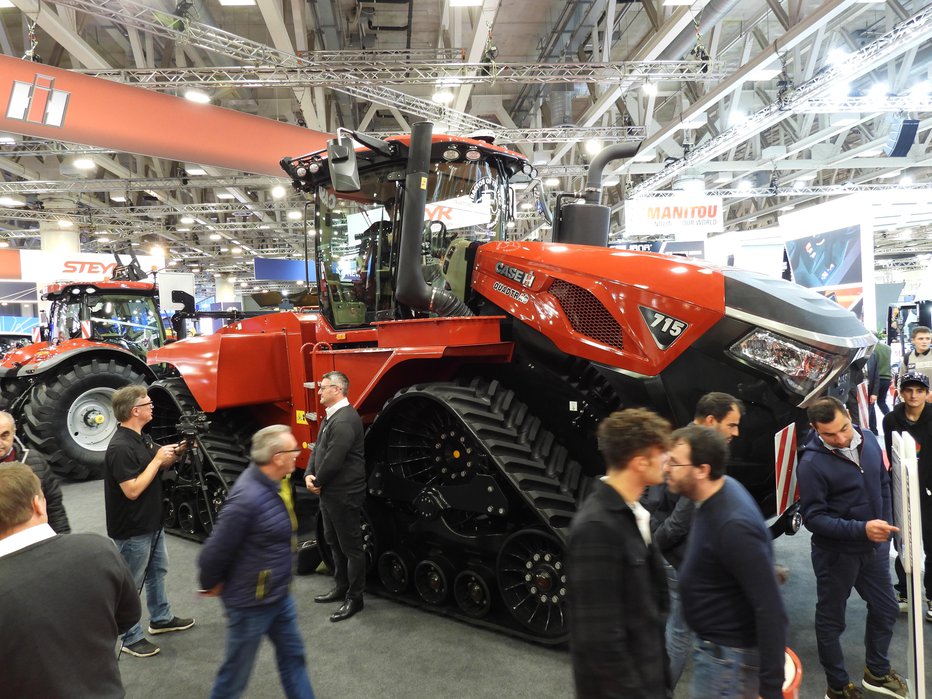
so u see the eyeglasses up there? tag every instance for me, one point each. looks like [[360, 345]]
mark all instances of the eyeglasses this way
[[288, 451], [323, 387], [143, 405], [673, 464]]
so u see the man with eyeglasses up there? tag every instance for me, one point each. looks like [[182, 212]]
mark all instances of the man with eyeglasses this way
[[247, 561], [337, 473], [670, 520], [731, 598], [133, 501]]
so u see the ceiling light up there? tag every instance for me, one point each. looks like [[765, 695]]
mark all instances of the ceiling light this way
[[157, 250], [195, 170], [216, 236], [878, 90], [119, 198], [187, 220], [103, 239], [224, 249], [465, 3], [906, 180], [737, 118], [443, 95], [294, 215], [197, 96], [247, 3], [12, 201], [237, 251], [244, 283], [744, 185], [689, 184], [278, 192], [4, 243], [593, 146], [182, 229], [65, 223], [7, 139], [172, 263], [722, 178], [225, 195], [837, 55], [552, 182], [84, 164], [920, 89], [649, 88]]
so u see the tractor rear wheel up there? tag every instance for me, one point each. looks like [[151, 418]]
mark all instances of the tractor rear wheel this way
[[68, 417]]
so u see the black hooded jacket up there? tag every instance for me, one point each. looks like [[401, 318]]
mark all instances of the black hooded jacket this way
[[58, 519], [921, 431]]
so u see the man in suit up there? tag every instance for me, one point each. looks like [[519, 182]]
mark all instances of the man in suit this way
[[337, 473]]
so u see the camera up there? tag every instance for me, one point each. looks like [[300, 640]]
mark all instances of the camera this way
[[192, 425]]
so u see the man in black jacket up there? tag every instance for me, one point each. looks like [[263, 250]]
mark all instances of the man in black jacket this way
[[912, 417], [13, 451], [617, 587], [337, 473]]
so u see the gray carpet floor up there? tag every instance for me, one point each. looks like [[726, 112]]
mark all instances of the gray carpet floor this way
[[391, 650]]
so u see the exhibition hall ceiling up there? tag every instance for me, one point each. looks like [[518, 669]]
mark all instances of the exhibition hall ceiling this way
[[769, 103]]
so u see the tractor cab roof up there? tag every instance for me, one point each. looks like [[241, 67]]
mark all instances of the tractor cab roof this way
[[61, 290], [309, 171]]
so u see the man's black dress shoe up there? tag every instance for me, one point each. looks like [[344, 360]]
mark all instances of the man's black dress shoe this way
[[350, 607], [334, 595]]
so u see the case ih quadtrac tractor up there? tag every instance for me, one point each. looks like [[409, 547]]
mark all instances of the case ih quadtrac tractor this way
[[97, 339], [482, 367]]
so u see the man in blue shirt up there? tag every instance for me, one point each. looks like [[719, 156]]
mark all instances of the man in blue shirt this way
[[729, 591], [844, 493]]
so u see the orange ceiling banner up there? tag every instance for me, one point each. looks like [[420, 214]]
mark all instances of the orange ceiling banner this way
[[10, 265], [53, 103]]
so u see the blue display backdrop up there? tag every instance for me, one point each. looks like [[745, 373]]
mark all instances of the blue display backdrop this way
[[284, 270]]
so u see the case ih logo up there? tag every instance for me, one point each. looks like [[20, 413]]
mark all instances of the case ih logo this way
[[38, 102], [515, 274]]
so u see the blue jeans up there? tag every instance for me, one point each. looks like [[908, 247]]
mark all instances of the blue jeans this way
[[679, 637], [245, 629], [723, 672], [836, 574], [136, 552]]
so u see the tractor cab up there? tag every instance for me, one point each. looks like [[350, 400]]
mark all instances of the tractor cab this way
[[121, 313], [358, 226]]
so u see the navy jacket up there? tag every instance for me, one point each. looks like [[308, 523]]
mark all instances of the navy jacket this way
[[838, 497], [250, 548], [617, 597]]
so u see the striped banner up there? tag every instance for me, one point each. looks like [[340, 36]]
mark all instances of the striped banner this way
[[864, 405], [86, 329], [784, 443]]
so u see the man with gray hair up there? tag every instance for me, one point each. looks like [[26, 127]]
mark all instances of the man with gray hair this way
[[133, 501], [247, 561], [13, 451], [63, 601], [337, 472]]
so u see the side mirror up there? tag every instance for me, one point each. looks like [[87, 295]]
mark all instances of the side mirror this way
[[341, 159]]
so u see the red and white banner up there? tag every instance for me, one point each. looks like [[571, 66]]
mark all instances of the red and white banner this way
[[864, 405], [86, 329], [784, 443]]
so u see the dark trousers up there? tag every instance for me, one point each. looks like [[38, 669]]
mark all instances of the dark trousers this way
[[883, 390], [342, 519], [836, 574]]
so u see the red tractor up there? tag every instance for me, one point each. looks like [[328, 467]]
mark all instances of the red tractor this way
[[482, 367], [96, 342]]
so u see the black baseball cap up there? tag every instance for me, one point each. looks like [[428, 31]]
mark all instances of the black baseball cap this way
[[915, 377]]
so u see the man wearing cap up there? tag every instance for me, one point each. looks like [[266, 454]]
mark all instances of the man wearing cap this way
[[910, 416]]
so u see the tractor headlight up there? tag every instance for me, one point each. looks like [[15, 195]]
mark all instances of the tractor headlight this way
[[800, 367]]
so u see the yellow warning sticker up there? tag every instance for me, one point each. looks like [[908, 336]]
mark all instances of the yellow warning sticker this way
[[300, 417], [423, 183]]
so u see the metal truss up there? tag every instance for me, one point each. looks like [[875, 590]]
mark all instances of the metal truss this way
[[186, 31], [863, 103], [904, 36], [133, 185], [82, 219], [319, 71], [42, 149]]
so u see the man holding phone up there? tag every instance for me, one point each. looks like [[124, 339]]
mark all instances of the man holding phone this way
[[133, 500]]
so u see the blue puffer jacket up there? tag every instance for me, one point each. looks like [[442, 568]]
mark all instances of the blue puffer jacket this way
[[249, 550], [838, 497]]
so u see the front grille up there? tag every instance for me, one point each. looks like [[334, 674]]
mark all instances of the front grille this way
[[586, 314]]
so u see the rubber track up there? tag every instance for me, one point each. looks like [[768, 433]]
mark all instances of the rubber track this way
[[220, 446], [526, 454]]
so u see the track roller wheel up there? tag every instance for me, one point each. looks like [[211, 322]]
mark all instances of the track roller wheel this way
[[532, 578], [209, 506], [169, 514], [395, 570], [433, 580], [188, 519], [472, 591]]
